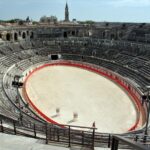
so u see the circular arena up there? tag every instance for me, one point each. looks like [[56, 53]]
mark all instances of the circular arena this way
[[81, 89]]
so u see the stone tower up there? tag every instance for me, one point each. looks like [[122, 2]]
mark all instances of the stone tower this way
[[66, 12]]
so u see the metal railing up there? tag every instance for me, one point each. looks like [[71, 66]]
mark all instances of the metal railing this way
[[133, 145], [65, 134], [69, 135]]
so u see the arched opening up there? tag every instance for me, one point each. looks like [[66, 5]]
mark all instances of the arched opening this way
[[23, 35], [32, 35], [112, 36], [73, 33], [0, 35], [15, 36], [65, 35], [8, 36], [37, 53]]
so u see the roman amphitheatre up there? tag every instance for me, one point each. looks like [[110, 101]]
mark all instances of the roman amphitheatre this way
[[75, 85]]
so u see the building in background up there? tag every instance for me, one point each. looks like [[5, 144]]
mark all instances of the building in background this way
[[48, 20]]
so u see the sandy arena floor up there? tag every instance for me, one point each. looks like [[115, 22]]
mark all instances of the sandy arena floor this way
[[91, 96]]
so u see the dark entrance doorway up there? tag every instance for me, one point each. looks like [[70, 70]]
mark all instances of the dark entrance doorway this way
[[23, 35], [8, 36], [15, 36], [65, 35]]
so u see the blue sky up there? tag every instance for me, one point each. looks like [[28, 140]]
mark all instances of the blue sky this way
[[97, 10]]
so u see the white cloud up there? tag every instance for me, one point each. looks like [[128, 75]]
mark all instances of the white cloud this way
[[130, 3]]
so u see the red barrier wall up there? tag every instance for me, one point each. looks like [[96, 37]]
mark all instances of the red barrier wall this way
[[117, 79]]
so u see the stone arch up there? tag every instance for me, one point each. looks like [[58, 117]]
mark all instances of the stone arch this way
[[23, 35], [15, 36], [8, 36], [27, 32], [19, 33]]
